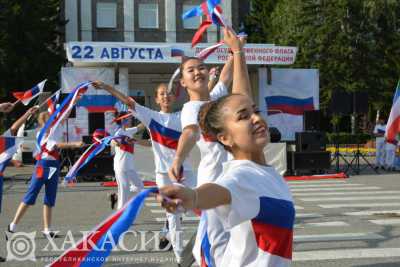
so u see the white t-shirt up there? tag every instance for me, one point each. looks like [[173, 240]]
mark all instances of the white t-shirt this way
[[57, 137], [380, 128], [165, 130], [212, 153], [123, 158], [260, 217]]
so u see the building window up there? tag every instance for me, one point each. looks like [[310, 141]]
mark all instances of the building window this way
[[148, 16], [106, 15], [191, 23]]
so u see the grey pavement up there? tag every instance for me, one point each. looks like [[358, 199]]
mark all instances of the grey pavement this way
[[352, 222]]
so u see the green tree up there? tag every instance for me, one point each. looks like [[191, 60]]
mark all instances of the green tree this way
[[30, 43]]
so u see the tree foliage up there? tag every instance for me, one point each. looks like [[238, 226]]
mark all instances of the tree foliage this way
[[355, 44], [30, 44]]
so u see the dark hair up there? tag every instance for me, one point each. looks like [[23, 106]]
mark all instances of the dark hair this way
[[210, 119], [158, 87], [183, 62]]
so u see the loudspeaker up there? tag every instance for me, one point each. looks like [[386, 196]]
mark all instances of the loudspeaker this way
[[310, 161], [312, 120], [310, 141], [360, 102], [341, 103], [96, 121], [100, 166], [275, 134]]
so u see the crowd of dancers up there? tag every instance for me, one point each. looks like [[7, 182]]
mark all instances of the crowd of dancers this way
[[247, 211]]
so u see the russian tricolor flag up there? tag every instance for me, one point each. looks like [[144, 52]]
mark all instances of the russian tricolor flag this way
[[163, 135], [273, 226], [8, 147], [27, 96], [59, 115], [176, 52], [94, 248], [52, 101], [393, 124], [289, 105]]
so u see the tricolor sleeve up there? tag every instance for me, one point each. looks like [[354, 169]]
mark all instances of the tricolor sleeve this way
[[245, 203], [218, 91]]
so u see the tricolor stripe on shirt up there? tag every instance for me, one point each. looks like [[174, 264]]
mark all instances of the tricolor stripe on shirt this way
[[8, 147], [273, 226], [163, 135]]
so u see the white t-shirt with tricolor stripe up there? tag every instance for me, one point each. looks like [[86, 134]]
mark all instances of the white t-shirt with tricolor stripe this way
[[212, 153], [260, 217], [165, 130]]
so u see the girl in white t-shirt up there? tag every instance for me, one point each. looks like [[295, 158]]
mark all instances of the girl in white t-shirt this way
[[128, 181], [251, 199], [195, 78], [165, 129]]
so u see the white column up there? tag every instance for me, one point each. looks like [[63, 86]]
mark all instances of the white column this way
[[86, 20], [129, 23], [170, 21], [71, 14], [227, 8]]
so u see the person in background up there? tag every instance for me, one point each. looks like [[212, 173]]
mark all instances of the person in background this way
[[390, 155], [379, 133]]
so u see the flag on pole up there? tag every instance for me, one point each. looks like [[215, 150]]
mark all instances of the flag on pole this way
[[59, 115], [213, 13], [27, 96], [52, 101], [8, 147], [393, 124], [94, 248]]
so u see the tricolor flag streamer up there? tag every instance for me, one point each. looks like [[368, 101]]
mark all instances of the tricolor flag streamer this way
[[59, 115], [94, 248], [202, 250], [52, 101], [212, 11], [27, 96], [93, 150], [393, 124], [8, 147]]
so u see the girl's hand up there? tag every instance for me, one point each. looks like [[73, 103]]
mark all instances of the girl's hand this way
[[175, 172], [174, 196], [32, 110], [231, 40], [98, 85]]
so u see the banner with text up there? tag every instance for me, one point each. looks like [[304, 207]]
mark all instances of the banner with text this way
[[103, 52]]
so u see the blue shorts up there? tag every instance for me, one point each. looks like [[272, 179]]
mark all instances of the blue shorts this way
[[41, 177]]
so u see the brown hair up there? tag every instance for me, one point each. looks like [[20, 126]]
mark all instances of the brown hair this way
[[158, 87], [210, 119]]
